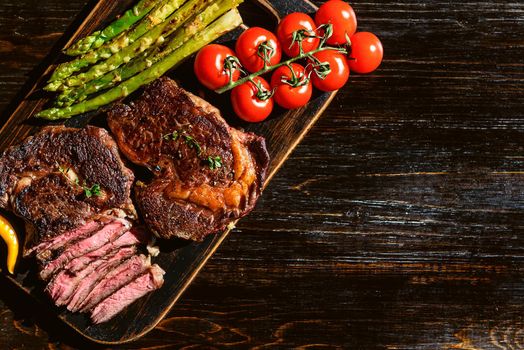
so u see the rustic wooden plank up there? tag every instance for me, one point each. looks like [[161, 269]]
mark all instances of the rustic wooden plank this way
[[396, 223], [182, 260]]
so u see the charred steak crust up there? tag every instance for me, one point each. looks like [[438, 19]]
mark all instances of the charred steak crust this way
[[81, 237], [45, 201], [41, 179], [177, 136]]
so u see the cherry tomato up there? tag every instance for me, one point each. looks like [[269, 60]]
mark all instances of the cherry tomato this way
[[247, 103], [286, 95], [254, 44], [341, 16], [209, 66], [296, 22], [366, 52], [339, 71]]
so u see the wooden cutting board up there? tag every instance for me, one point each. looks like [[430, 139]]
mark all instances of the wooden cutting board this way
[[181, 260]]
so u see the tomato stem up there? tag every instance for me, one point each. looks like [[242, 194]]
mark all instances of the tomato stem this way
[[262, 93], [271, 68], [322, 69], [230, 64], [266, 51], [295, 80]]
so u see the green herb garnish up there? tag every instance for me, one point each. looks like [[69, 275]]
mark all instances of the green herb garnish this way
[[173, 136], [189, 140], [192, 143], [214, 162], [91, 191]]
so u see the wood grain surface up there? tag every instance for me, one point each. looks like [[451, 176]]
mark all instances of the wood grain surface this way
[[397, 223], [182, 260]]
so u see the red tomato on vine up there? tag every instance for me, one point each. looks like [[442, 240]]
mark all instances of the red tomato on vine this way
[[257, 47], [211, 66], [252, 100], [295, 29], [292, 87], [366, 52], [331, 71], [341, 16]]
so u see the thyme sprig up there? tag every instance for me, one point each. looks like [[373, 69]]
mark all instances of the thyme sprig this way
[[192, 143], [172, 136], [188, 139], [89, 192], [214, 162]]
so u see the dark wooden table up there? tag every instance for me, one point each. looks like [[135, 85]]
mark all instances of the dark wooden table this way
[[397, 223]]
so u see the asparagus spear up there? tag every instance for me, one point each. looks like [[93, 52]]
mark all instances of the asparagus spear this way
[[158, 15], [151, 56], [96, 39], [157, 34], [225, 23]]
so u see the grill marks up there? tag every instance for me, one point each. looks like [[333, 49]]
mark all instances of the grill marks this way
[[96, 261]]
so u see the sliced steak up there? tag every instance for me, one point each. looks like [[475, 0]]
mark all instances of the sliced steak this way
[[113, 281], [63, 286], [89, 282], [108, 233], [44, 249], [47, 179], [112, 305], [73, 192], [207, 174], [131, 237]]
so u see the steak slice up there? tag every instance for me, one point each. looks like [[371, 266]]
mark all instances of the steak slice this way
[[45, 249], [63, 286], [108, 233], [87, 284], [131, 237], [206, 174], [44, 180], [112, 305], [113, 281], [46, 255]]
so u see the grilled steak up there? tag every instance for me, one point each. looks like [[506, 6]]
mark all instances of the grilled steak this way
[[64, 283], [73, 191], [112, 305], [44, 178], [207, 174], [107, 234], [46, 248], [113, 281], [132, 237], [89, 282], [63, 286]]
